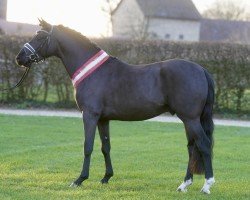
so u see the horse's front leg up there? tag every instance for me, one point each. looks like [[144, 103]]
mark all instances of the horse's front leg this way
[[103, 127], [90, 122]]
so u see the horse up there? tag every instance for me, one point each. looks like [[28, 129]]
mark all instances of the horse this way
[[107, 88]]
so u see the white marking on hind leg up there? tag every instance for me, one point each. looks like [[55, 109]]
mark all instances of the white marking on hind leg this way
[[207, 185], [184, 185]]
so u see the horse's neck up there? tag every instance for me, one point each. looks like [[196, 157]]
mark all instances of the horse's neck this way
[[74, 55]]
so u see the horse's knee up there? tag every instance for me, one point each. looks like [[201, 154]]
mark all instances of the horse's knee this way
[[88, 151], [190, 149], [197, 136], [105, 150], [190, 144], [204, 145]]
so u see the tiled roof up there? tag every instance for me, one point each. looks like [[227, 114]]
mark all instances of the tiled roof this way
[[174, 9]]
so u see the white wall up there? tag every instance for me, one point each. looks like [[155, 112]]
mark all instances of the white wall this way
[[127, 18], [174, 28]]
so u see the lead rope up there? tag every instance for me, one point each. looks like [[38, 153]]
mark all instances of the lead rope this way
[[20, 82], [33, 51]]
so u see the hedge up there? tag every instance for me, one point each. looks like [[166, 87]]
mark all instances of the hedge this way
[[228, 63]]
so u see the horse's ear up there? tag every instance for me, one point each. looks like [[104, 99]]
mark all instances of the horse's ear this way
[[45, 25]]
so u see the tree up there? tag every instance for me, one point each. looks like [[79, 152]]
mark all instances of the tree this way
[[231, 10], [108, 7], [138, 30], [2, 32], [226, 9]]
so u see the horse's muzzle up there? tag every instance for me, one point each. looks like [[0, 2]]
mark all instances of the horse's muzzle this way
[[22, 60]]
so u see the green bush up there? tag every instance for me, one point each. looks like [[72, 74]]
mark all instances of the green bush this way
[[43, 78], [49, 82], [228, 63]]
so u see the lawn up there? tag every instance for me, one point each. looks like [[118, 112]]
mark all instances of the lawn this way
[[41, 156]]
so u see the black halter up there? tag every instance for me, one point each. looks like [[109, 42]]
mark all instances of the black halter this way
[[32, 53]]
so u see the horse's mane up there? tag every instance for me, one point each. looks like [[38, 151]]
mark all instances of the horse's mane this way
[[78, 36]]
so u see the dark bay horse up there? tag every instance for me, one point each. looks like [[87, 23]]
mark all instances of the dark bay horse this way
[[109, 89]]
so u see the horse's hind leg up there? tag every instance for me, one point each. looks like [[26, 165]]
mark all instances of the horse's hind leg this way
[[202, 146], [188, 180], [103, 127]]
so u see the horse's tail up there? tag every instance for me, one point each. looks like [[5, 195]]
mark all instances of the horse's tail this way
[[197, 165]]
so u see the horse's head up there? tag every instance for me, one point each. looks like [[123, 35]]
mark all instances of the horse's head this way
[[39, 47]]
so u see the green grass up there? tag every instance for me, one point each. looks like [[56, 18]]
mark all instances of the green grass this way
[[41, 156]]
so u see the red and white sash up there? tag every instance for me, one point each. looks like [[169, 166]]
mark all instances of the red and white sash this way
[[89, 67]]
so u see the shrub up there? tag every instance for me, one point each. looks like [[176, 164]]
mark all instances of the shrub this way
[[229, 64]]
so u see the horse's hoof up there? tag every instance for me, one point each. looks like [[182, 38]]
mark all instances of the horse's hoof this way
[[74, 185], [181, 190], [106, 178], [184, 185], [208, 183], [104, 181], [205, 191]]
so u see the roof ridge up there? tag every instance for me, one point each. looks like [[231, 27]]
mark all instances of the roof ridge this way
[[174, 9]]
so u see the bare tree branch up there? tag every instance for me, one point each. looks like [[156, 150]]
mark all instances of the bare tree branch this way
[[226, 9], [108, 7]]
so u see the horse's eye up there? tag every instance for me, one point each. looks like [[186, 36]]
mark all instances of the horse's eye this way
[[40, 36]]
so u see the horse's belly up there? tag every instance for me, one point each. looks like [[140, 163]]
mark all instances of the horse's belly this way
[[133, 114]]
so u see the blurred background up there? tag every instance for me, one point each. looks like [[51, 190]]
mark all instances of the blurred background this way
[[214, 33]]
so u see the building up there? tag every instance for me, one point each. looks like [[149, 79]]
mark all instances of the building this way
[[174, 20], [157, 19], [14, 28], [219, 30], [3, 9]]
